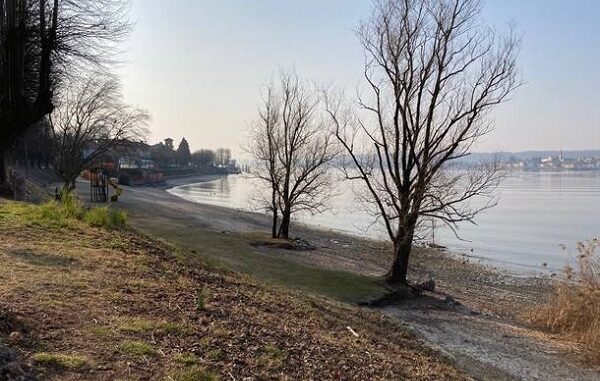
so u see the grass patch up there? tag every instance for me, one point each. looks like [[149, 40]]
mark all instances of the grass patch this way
[[235, 252], [214, 354], [202, 299], [136, 348], [64, 214], [573, 309], [140, 325], [63, 361], [102, 331], [187, 359], [272, 357], [195, 373], [105, 217]]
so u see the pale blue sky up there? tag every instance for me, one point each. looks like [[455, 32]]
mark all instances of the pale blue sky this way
[[198, 65]]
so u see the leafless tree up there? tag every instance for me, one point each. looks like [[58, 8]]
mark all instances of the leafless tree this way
[[433, 73], [292, 151], [40, 42], [90, 119], [223, 156], [204, 158]]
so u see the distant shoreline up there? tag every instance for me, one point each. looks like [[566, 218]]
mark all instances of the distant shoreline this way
[[177, 181], [514, 269]]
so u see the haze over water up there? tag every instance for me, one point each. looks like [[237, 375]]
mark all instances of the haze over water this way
[[537, 212]]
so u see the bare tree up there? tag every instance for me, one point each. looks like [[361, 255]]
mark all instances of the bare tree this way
[[204, 158], [223, 156], [292, 151], [433, 74], [262, 144], [90, 119], [42, 40]]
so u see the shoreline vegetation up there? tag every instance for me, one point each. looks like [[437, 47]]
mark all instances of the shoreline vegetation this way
[[481, 308]]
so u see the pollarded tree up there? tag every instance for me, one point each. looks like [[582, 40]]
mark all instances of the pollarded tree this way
[[89, 120], [40, 42], [433, 74], [292, 151]]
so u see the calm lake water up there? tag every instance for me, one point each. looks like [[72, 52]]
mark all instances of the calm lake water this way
[[536, 214]]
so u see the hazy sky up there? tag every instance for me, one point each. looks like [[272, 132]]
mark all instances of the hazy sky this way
[[198, 65]]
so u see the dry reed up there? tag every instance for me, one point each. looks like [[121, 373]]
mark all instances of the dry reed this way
[[573, 309]]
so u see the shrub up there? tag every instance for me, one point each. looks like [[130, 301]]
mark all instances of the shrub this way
[[97, 216], [105, 217], [59, 213], [118, 218], [71, 206], [68, 210], [574, 307]]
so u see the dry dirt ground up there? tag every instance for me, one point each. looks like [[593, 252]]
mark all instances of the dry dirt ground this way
[[475, 315], [484, 332], [83, 303]]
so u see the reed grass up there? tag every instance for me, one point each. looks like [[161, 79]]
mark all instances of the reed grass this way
[[573, 309]]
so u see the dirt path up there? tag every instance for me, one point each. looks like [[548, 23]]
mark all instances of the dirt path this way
[[489, 345], [489, 348]]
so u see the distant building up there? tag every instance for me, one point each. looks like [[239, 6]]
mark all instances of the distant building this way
[[129, 162], [169, 143]]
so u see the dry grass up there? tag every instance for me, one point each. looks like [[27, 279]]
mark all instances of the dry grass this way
[[574, 308], [127, 305]]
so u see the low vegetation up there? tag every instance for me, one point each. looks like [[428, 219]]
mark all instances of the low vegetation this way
[[194, 373], [59, 360], [65, 213], [98, 304], [136, 348], [574, 308]]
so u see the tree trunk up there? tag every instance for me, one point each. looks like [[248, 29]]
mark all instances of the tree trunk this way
[[397, 274], [402, 250], [274, 227], [275, 212], [284, 229], [3, 176]]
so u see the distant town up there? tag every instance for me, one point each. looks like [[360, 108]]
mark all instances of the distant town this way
[[553, 163], [588, 160]]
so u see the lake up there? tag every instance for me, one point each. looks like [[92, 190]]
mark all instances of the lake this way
[[537, 212]]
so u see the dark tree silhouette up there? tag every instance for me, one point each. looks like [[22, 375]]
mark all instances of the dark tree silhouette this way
[[433, 74], [40, 42], [183, 153]]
